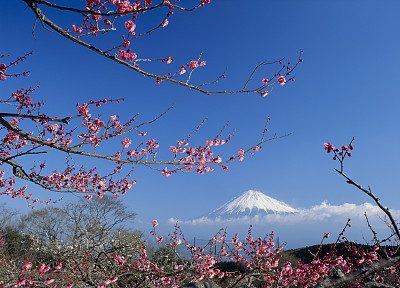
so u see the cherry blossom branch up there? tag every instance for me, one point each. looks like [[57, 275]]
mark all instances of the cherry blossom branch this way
[[64, 120], [379, 266], [129, 59], [141, 10], [360, 274]]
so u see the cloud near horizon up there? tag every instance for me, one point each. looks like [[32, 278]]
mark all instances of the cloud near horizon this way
[[324, 212]]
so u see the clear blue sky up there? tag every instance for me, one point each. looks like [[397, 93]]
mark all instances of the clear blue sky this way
[[347, 86]]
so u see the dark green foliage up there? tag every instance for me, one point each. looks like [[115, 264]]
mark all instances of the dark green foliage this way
[[164, 256], [14, 240]]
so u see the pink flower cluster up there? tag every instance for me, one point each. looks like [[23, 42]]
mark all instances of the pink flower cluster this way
[[339, 154], [126, 55]]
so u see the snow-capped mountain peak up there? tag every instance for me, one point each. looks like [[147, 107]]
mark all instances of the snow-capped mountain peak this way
[[251, 203]]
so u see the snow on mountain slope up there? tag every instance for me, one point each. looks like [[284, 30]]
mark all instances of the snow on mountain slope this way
[[251, 203]]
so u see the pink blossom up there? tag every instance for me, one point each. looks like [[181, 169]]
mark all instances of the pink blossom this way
[[264, 93], [49, 281], [42, 267], [241, 152], [126, 142], [126, 43], [77, 30], [193, 64], [169, 60], [165, 172], [96, 16], [130, 26], [265, 81], [154, 223], [329, 147], [113, 118], [127, 55], [106, 21], [182, 70], [218, 160], [27, 266], [281, 80], [54, 127], [14, 122], [3, 67], [164, 23]]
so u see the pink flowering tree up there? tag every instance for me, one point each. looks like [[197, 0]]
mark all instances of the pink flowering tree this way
[[32, 132], [29, 131], [95, 18]]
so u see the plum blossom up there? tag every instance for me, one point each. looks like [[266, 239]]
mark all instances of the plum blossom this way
[[182, 70], [264, 93], [329, 147], [49, 281], [165, 172], [96, 16], [169, 60], [265, 81], [154, 223], [164, 23], [193, 64], [127, 55], [3, 67], [14, 121], [130, 26], [54, 127], [77, 30], [27, 266], [281, 80]]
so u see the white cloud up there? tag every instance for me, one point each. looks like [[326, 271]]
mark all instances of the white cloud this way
[[324, 212]]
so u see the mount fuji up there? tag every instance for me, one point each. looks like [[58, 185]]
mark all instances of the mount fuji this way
[[251, 203]]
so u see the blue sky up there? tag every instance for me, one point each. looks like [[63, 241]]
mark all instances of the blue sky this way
[[347, 86]]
